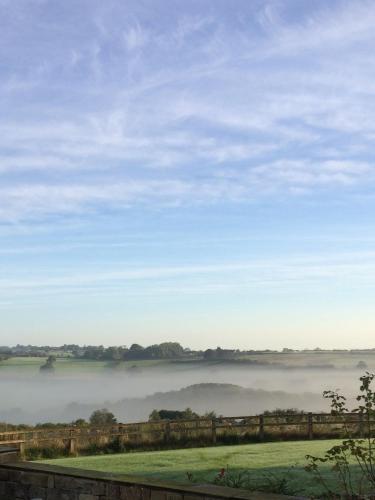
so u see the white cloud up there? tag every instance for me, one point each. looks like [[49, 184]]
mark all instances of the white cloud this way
[[232, 113], [135, 37], [268, 274]]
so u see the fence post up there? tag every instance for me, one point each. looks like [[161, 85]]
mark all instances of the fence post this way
[[167, 431], [72, 446], [261, 427], [310, 432], [213, 427], [361, 425], [22, 450]]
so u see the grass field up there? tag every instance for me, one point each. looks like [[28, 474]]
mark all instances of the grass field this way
[[31, 365], [62, 365], [204, 463], [301, 359]]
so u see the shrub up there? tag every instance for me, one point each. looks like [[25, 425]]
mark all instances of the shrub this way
[[52, 451], [268, 482], [102, 417], [360, 451]]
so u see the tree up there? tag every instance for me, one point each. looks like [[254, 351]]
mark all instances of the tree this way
[[210, 414], [361, 365], [154, 416], [186, 414], [136, 351], [113, 354], [209, 354], [48, 365], [93, 352], [219, 353], [102, 417], [80, 422], [284, 411]]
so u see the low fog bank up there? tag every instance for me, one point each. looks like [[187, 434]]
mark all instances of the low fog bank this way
[[132, 394], [225, 399]]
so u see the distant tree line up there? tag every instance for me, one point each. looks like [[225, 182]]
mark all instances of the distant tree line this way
[[136, 352], [98, 418], [187, 414], [165, 350], [219, 353]]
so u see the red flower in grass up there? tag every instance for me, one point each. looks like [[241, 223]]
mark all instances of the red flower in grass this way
[[221, 473]]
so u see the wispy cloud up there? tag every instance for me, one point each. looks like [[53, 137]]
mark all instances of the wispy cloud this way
[[270, 274], [184, 106]]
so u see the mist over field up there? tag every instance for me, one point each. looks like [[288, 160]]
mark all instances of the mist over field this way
[[76, 389]]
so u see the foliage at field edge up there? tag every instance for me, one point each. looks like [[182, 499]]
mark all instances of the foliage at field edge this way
[[355, 483]]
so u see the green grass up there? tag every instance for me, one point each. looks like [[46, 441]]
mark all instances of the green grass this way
[[301, 359], [204, 463], [31, 365], [65, 365]]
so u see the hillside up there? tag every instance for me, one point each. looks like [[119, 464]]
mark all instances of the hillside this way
[[226, 399]]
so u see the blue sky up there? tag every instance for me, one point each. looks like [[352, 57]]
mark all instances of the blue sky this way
[[200, 171]]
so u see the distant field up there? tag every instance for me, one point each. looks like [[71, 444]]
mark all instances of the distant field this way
[[64, 365], [340, 360], [300, 359], [204, 463], [32, 365]]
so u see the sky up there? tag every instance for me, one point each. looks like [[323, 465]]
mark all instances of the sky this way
[[191, 170]]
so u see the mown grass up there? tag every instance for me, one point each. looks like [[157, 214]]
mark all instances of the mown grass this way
[[203, 464], [31, 365]]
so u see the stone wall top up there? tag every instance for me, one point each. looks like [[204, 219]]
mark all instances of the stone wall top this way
[[9, 454], [171, 489]]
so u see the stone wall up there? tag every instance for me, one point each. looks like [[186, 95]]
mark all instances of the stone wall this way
[[32, 481], [9, 454]]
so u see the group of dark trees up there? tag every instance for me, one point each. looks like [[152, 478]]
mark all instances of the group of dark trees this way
[[219, 353], [98, 418], [165, 350], [283, 411], [187, 414], [102, 417]]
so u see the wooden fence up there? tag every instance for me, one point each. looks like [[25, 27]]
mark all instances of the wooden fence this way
[[200, 430]]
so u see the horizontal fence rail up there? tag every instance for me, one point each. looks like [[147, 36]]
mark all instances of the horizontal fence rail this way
[[211, 431]]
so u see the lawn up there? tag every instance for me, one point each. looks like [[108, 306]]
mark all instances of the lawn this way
[[204, 463]]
